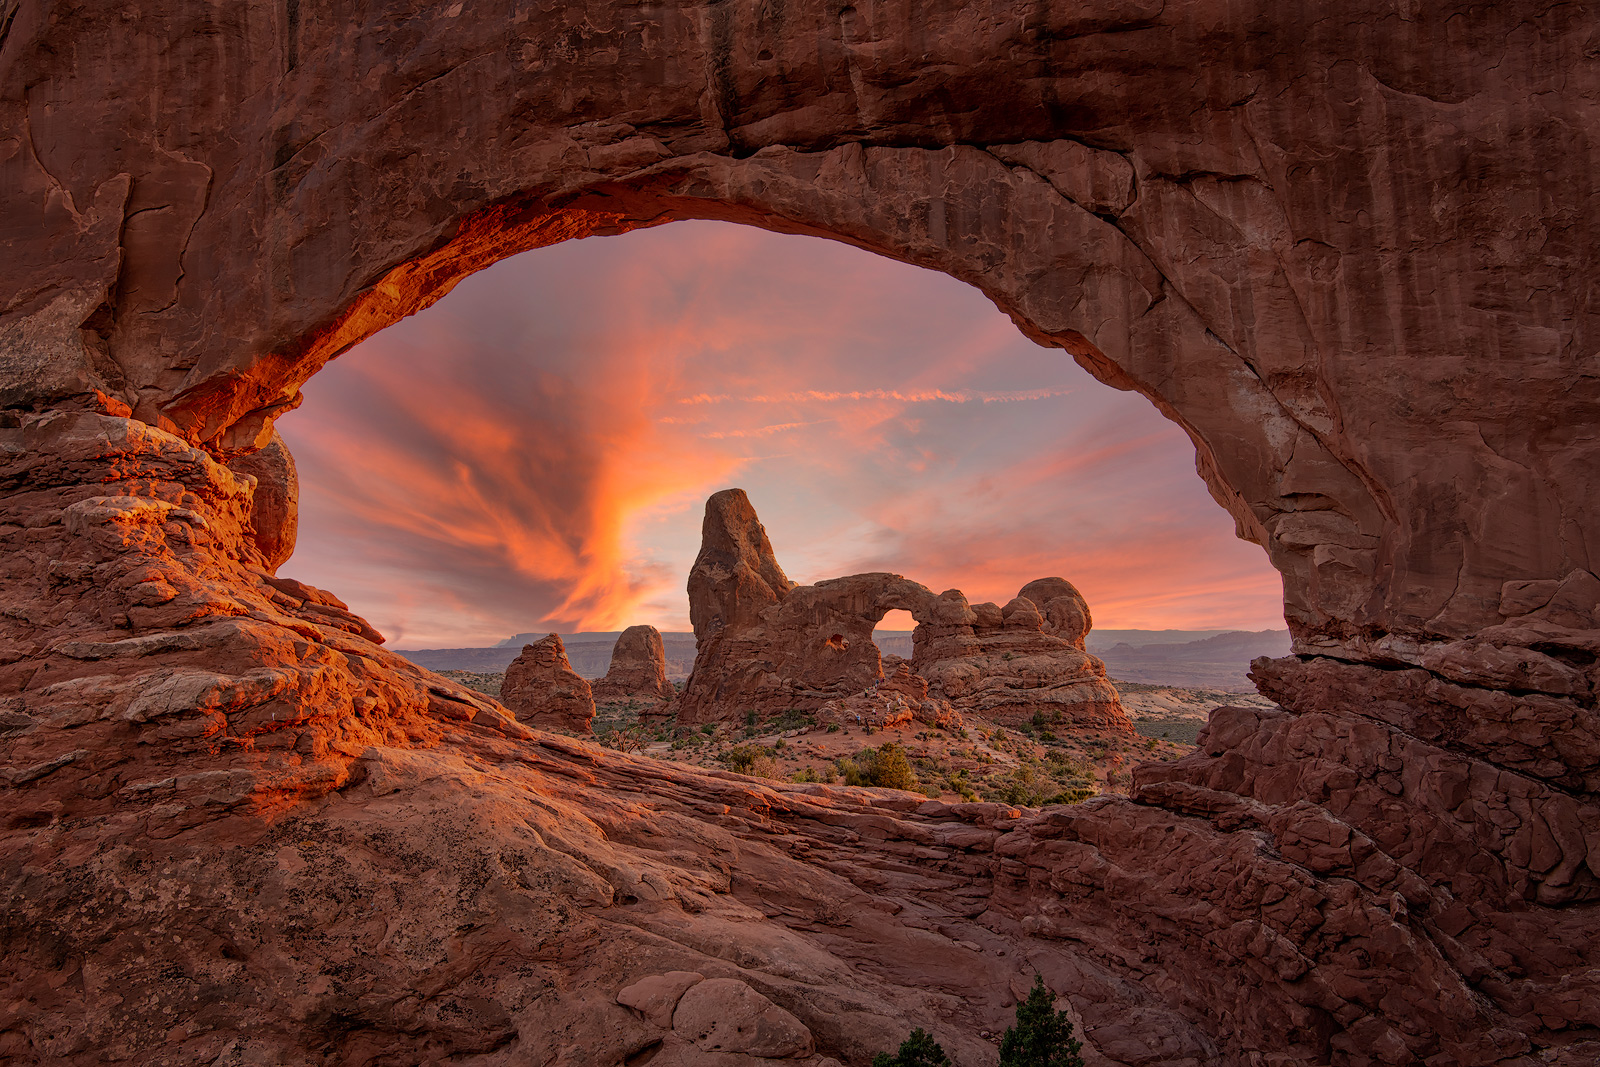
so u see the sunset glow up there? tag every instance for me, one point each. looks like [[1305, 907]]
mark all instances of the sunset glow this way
[[534, 452]]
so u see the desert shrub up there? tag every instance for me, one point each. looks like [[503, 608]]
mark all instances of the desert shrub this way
[[850, 771], [708, 728], [889, 768], [631, 739], [833, 727], [810, 774], [1042, 1036], [791, 719], [750, 759], [918, 1050], [885, 767], [1029, 787]]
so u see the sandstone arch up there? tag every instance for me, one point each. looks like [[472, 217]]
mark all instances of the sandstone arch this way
[[1349, 249]]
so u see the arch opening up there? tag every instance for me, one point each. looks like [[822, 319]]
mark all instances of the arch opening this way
[[556, 422]]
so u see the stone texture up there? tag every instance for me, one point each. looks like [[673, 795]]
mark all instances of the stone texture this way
[[223, 809], [1012, 665], [1349, 251], [736, 575], [726, 1015], [275, 502], [542, 689], [657, 996], [638, 670], [812, 646], [1222, 243]]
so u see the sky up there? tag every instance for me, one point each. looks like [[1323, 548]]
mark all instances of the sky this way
[[534, 451]]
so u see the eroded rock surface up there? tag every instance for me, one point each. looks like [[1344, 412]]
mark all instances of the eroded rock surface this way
[[809, 648], [1015, 665], [638, 670], [736, 575], [228, 809], [542, 689], [275, 500]]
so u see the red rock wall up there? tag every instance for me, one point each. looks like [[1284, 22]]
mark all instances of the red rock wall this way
[[1345, 253], [1349, 248]]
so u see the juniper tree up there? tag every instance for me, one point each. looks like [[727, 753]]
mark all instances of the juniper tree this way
[[1042, 1036], [918, 1050]]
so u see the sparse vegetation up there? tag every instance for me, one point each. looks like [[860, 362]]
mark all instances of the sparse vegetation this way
[[754, 760], [486, 682], [629, 739], [885, 767], [1042, 1036], [918, 1050]]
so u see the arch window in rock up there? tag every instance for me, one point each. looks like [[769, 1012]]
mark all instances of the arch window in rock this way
[[1351, 258], [534, 450]]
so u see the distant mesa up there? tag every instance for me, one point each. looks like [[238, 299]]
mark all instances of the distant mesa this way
[[543, 690], [767, 645]]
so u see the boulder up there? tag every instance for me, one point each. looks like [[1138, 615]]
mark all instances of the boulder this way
[[657, 996], [543, 690], [638, 670], [726, 1015]]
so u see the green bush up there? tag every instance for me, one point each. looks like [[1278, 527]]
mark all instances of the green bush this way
[[891, 770], [918, 1050], [885, 767], [750, 759], [1042, 1036]]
